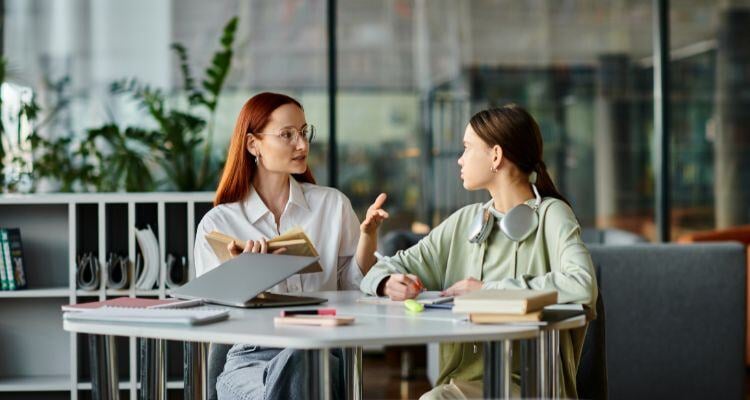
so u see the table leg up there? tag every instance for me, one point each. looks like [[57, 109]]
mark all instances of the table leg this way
[[497, 356], [153, 369], [319, 374], [195, 370], [543, 344], [353, 373], [555, 364], [529, 368], [104, 374]]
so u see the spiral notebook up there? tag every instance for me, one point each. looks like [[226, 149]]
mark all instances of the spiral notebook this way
[[191, 316], [121, 302]]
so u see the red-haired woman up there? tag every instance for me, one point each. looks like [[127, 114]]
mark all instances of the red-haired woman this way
[[267, 188]]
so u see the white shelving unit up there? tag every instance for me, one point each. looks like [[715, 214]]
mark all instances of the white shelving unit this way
[[36, 355]]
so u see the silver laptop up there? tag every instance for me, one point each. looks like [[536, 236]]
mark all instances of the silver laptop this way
[[243, 281]]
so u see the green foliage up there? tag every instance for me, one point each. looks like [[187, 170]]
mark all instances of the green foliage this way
[[66, 158], [111, 158], [13, 150], [176, 145], [2, 126]]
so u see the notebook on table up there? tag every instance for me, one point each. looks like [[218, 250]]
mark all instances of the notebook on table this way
[[551, 313], [126, 302], [243, 280], [429, 297], [196, 316], [497, 301]]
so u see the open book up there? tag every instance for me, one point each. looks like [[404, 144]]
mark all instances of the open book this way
[[294, 240]]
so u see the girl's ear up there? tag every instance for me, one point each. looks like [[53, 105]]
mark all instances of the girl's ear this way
[[497, 156]]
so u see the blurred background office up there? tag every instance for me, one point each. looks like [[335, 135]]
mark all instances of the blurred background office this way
[[407, 76], [141, 95]]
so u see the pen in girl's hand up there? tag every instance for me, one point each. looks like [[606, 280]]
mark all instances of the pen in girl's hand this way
[[394, 270]]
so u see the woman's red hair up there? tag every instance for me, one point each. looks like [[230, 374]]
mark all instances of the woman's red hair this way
[[240, 166]]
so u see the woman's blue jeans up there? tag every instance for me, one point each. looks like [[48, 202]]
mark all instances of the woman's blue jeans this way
[[264, 373]]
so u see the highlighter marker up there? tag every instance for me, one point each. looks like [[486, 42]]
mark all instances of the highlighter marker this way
[[315, 311]]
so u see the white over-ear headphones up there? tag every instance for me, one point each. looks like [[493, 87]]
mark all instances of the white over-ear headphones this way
[[520, 222]]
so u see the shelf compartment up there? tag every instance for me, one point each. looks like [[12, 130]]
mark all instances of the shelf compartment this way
[[35, 293], [44, 237], [34, 343], [126, 385], [43, 383], [87, 293]]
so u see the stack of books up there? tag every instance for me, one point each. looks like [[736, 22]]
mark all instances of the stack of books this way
[[12, 270], [504, 306]]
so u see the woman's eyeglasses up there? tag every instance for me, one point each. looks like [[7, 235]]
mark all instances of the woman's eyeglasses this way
[[291, 136]]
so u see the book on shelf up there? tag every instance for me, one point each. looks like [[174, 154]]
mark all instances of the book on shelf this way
[[147, 272], [498, 301], [294, 240], [3, 268], [13, 271]]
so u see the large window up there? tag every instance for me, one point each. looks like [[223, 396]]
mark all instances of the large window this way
[[89, 45], [413, 73], [410, 73], [710, 67]]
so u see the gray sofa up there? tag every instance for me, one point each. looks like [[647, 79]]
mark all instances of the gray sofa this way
[[674, 322]]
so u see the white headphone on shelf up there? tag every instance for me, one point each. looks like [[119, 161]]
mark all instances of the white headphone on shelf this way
[[520, 222]]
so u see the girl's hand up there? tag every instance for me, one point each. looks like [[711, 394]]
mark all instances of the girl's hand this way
[[375, 216], [462, 287], [402, 286], [252, 246]]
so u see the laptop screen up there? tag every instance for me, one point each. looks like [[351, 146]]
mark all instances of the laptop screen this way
[[240, 279]]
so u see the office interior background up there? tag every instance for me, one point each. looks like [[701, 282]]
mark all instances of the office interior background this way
[[401, 78], [408, 76]]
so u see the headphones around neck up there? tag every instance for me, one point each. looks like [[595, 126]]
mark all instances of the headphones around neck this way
[[520, 222]]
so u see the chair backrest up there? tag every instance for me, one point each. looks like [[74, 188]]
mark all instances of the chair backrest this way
[[675, 320], [396, 240], [591, 379], [610, 236], [217, 357]]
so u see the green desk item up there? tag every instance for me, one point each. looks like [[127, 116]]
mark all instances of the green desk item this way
[[412, 306]]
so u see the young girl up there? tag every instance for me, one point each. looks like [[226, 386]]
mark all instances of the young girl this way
[[267, 188], [538, 246]]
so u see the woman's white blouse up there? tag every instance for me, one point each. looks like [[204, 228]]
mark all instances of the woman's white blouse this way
[[324, 213]]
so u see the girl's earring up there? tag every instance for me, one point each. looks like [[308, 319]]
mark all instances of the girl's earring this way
[[493, 169]]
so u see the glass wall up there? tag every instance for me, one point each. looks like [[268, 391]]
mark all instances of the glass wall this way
[[710, 66], [71, 52], [410, 73], [413, 73]]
